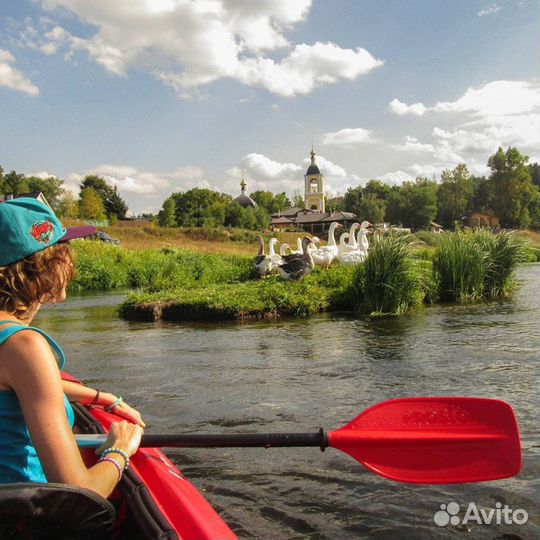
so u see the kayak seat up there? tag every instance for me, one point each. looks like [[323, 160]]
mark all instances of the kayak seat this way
[[35, 511]]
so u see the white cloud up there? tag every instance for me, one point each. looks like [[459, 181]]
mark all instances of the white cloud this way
[[395, 178], [12, 78], [42, 174], [412, 144], [426, 171], [190, 44], [495, 99], [489, 10], [499, 113], [348, 137], [400, 108], [264, 173], [307, 67]]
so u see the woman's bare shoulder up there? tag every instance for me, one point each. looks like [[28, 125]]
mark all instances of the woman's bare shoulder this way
[[25, 353]]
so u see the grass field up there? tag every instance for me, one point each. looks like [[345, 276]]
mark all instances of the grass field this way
[[143, 235]]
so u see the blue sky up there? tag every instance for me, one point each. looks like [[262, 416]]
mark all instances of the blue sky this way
[[160, 96]]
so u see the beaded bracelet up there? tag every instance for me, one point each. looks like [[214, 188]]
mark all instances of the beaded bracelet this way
[[115, 463], [95, 400], [117, 451], [110, 407]]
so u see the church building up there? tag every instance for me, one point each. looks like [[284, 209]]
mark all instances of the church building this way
[[313, 217], [314, 187]]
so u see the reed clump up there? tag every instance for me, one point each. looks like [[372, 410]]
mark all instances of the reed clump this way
[[471, 265], [392, 278]]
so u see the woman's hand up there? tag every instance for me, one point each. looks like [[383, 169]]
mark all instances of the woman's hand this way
[[123, 435], [122, 409]]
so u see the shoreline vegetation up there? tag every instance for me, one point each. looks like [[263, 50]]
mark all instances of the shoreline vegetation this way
[[400, 272]]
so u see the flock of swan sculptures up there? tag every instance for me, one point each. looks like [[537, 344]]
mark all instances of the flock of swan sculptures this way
[[295, 264]]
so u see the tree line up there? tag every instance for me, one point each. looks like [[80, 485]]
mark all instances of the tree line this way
[[199, 207], [510, 193], [97, 200]]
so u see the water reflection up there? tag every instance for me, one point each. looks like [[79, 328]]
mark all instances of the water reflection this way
[[296, 375]]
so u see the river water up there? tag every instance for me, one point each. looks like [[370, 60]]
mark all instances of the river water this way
[[297, 375]]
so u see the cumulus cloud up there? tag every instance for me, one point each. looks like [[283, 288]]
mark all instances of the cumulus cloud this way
[[489, 10], [348, 137], [395, 178], [499, 113], [190, 44], [264, 173], [495, 99], [401, 109], [411, 144], [12, 78]]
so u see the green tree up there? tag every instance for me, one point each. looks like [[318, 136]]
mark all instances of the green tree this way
[[372, 209], [378, 189], [234, 215], [534, 169], [352, 199], [115, 205], [280, 203], [167, 215], [455, 195], [67, 207], [1, 180], [481, 193], [191, 207], [91, 205], [414, 204], [298, 200], [51, 187], [262, 218], [112, 201], [270, 202], [512, 188], [14, 183]]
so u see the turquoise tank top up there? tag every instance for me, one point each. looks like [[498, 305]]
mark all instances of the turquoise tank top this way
[[19, 461]]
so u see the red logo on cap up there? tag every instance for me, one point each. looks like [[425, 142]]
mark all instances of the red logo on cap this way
[[42, 231]]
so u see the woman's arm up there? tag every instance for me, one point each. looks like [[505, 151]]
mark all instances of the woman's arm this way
[[85, 395], [33, 375]]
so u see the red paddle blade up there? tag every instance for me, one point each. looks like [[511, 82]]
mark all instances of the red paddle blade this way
[[434, 440]]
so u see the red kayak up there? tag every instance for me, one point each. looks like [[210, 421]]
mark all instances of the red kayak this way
[[154, 500]]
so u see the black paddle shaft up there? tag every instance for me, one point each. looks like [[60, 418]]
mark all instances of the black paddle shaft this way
[[248, 440]]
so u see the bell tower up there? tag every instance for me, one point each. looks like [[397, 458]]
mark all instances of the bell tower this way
[[314, 187]]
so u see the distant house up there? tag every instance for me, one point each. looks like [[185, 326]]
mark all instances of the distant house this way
[[481, 219], [310, 220], [435, 228]]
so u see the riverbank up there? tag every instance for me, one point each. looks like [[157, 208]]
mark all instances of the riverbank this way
[[178, 284], [144, 235]]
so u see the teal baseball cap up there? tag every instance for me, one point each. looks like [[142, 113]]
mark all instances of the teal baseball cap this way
[[28, 226]]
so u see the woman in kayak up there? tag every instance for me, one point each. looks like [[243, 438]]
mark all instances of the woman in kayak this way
[[36, 418]]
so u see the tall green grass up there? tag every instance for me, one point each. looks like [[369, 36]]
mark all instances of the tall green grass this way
[[503, 252], [392, 279], [460, 266], [104, 266], [471, 265]]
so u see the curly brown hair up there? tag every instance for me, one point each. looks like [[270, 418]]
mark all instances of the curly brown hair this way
[[38, 278]]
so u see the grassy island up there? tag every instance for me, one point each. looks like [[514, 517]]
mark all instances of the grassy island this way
[[179, 284]]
